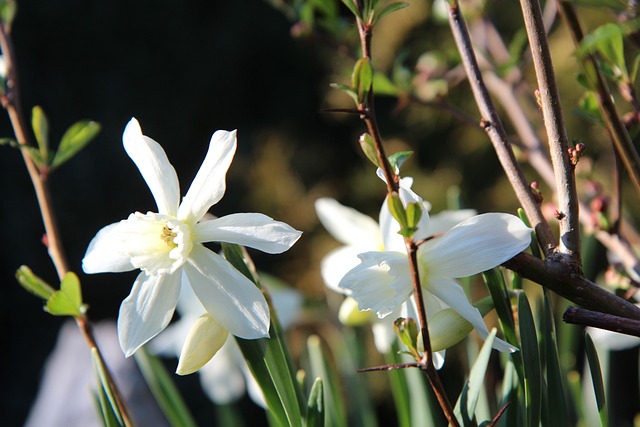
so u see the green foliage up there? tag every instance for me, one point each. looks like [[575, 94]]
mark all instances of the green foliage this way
[[163, 389], [110, 409], [335, 413], [315, 405], [396, 160], [362, 79], [407, 330], [368, 148], [33, 283], [531, 359], [67, 301], [596, 378], [40, 125], [74, 140]]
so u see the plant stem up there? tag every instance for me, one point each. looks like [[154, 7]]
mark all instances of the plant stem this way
[[39, 178], [556, 132], [495, 130], [580, 316]]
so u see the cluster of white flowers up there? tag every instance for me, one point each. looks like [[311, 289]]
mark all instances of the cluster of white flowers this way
[[372, 268]]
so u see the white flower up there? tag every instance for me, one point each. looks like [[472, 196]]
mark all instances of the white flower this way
[[225, 376], [168, 246], [382, 282], [360, 234]]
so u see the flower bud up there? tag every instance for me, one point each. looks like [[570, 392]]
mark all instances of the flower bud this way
[[203, 342]]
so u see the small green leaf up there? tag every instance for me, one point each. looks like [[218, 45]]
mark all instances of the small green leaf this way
[[382, 85], [346, 89], [634, 69], [390, 8], [414, 213], [608, 40], [352, 7], [397, 159], [407, 331], [33, 283], [7, 12], [74, 140], [596, 378], [315, 405], [68, 300], [397, 209], [368, 148], [9, 141], [40, 126], [362, 79]]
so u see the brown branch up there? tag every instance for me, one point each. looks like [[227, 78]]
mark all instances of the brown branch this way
[[623, 325], [556, 132], [496, 132]]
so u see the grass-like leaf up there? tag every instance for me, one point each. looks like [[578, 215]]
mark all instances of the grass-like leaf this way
[[110, 410], [334, 408], [531, 359], [315, 405], [596, 378]]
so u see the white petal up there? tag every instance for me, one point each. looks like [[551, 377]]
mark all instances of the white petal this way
[[348, 226], [106, 252], [475, 245], [147, 310], [336, 264], [453, 295], [222, 379], [253, 230], [209, 184], [154, 166], [204, 340], [446, 220], [227, 295], [380, 283]]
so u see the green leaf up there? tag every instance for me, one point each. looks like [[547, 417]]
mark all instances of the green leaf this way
[[352, 7], [531, 359], [596, 378], [414, 213], [108, 402], [40, 126], [368, 148], [269, 359], [397, 209], [362, 79], [163, 389], [8, 11], [346, 89], [634, 69], [68, 300], [315, 405], [334, 407], [382, 85], [74, 140], [390, 8], [608, 40], [466, 405], [33, 283], [397, 159], [407, 331]]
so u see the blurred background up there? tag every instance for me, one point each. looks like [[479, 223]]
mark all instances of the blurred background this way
[[185, 69]]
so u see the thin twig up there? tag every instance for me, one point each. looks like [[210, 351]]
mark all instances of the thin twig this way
[[556, 132], [11, 103], [580, 316], [496, 132]]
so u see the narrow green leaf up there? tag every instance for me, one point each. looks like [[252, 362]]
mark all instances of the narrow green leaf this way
[[397, 209], [466, 405], [634, 69], [352, 7], [68, 300], [382, 85], [531, 359], [390, 8], [362, 79], [33, 283], [596, 377], [74, 140], [368, 148], [35, 155], [334, 408], [346, 89], [315, 405], [414, 213], [397, 159], [110, 404], [8, 12], [163, 389], [555, 385], [40, 126], [608, 40], [108, 417], [407, 330]]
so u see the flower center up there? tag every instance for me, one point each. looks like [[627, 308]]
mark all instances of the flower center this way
[[158, 244]]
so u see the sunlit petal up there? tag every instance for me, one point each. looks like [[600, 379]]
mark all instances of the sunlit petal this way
[[336, 264], [475, 245], [446, 220], [204, 340], [209, 184], [227, 295], [253, 230], [107, 251], [347, 225], [154, 166], [147, 310]]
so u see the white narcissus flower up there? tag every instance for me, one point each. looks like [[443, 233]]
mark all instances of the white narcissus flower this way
[[360, 233], [225, 376], [168, 247]]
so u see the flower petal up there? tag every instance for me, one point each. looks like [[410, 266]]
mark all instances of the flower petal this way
[[209, 185], [106, 253], [445, 220], [227, 295], [154, 166], [204, 340], [380, 283], [453, 295], [147, 310], [348, 226], [475, 245], [254, 230], [336, 264]]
